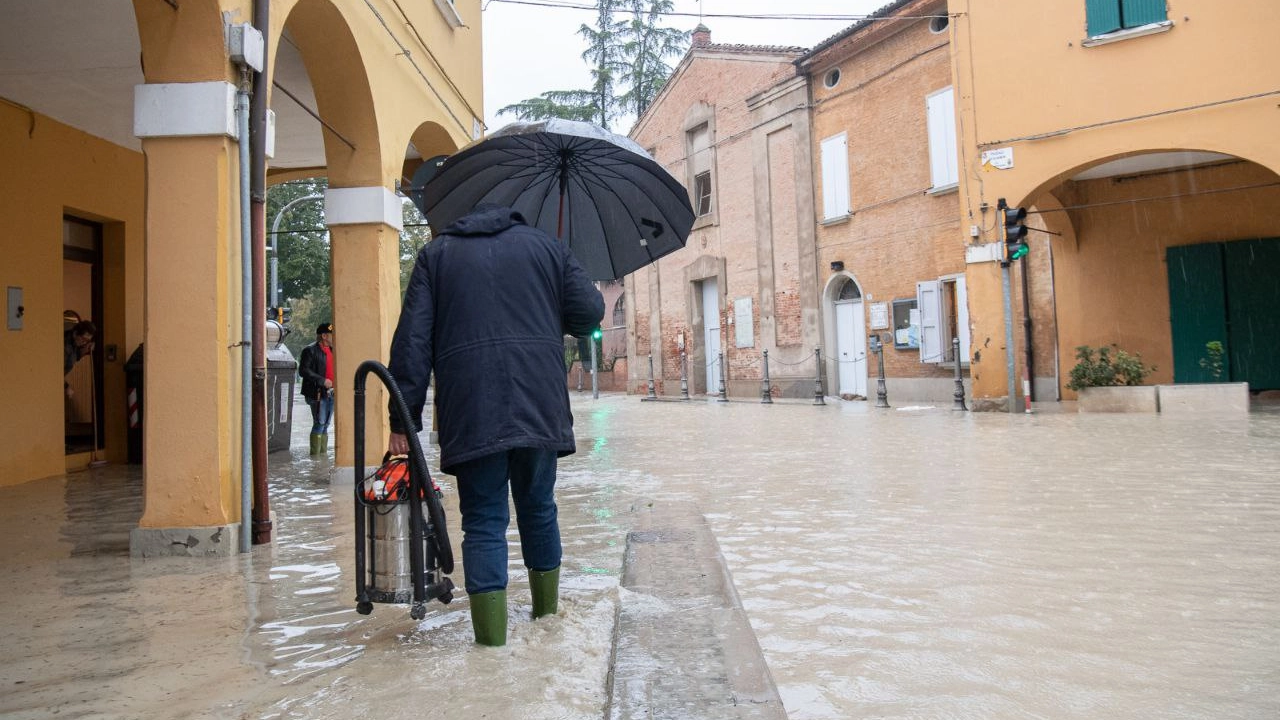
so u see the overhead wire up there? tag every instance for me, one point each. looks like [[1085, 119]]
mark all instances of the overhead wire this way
[[739, 16]]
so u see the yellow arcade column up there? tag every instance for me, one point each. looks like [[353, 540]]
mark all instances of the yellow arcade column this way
[[191, 431], [364, 236]]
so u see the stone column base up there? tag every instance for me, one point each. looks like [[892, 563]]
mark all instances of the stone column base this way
[[206, 541]]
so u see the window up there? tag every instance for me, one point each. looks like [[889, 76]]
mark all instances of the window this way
[[702, 194], [849, 291], [943, 316], [701, 154], [1106, 16], [939, 24], [943, 163], [835, 177], [832, 78], [620, 311], [906, 324]]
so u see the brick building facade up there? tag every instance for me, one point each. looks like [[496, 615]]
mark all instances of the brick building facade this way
[[732, 125], [889, 241]]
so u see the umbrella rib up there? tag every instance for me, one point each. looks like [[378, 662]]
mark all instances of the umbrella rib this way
[[599, 180]]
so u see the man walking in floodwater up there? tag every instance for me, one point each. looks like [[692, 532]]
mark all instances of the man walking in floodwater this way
[[487, 307]]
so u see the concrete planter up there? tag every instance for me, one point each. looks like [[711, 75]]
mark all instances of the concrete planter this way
[[1204, 398], [1119, 399]]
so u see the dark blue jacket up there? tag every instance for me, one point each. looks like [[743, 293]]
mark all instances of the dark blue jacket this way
[[487, 308]]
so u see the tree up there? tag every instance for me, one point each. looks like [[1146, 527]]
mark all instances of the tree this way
[[630, 53], [646, 47], [302, 244], [563, 104]]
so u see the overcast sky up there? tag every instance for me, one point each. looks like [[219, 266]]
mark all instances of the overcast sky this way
[[530, 49]]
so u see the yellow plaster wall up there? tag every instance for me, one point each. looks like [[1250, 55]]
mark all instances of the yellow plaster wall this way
[[1112, 287], [1024, 81], [49, 170], [193, 320]]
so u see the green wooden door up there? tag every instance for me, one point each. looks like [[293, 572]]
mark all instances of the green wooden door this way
[[1197, 307], [1252, 273]]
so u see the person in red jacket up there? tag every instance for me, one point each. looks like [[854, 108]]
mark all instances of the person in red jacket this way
[[487, 307], [316, 366]]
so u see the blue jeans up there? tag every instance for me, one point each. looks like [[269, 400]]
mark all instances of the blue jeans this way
[[321, 414], [482, 500]]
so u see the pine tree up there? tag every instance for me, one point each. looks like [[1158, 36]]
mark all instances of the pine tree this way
[[630, 53], [646, 47]]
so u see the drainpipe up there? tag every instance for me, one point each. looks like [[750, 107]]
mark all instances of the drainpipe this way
[[258, 142], [1026, 329], [246, 323]]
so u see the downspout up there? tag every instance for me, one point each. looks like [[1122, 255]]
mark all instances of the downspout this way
[[1026, 329], [258, 182], [246, 321]]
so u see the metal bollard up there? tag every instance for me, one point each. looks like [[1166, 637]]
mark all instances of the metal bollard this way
[[724, 397], [882, 393], [959, 395], [818, 394], [652, 395], [766, 394], [684, 375]]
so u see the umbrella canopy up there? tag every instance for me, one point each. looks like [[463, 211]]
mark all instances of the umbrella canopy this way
[[599, 192]]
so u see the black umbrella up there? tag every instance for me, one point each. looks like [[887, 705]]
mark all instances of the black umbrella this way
[[600, 192]]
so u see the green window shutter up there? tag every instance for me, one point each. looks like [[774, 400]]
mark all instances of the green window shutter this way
[[1104, 16], [1142, 12]]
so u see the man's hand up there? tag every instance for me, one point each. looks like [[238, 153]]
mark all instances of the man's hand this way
[[328, 383], [399, 444]]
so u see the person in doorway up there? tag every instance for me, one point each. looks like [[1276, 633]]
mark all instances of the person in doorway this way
[[488, 304], [77, 342], [318, 369]]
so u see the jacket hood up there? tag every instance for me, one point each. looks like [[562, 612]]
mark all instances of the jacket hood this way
[[485, 219]]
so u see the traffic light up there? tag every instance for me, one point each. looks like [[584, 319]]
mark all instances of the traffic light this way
[[597, 333], [1013, 224]]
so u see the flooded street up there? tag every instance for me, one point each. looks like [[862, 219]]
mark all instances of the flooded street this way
[[908, 563], [931, 564]]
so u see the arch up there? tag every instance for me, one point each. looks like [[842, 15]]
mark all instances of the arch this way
[[186, 46], [344, 99], [837, 284]]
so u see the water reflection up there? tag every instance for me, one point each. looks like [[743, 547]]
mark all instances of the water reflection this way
[[892, 564]]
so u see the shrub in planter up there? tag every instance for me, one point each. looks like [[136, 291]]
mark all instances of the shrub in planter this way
[[1212, 362], [1107, 367]]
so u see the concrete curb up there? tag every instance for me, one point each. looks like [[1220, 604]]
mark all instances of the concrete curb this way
[[683, 647]]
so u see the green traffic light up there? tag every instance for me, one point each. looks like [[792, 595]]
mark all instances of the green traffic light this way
[[596, 334], [1017, 251]]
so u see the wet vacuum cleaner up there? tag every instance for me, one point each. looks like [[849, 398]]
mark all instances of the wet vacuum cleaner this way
[[403, 553]]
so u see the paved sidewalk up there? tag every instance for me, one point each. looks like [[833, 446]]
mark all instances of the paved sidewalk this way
[[683, 647]]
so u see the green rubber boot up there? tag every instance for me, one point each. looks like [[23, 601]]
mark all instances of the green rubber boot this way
[[489, 618], [545, 587], [315, 443], [324, 444]]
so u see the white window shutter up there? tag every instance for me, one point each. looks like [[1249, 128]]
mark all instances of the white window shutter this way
[[835, 176], [929, 302], [941, 116], [962, 318]]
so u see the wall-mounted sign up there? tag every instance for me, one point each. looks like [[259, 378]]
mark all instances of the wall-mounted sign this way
[[1000, 159], [743, 336], [879, 316]]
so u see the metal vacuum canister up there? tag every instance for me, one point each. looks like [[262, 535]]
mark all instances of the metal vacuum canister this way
[[389, 570]]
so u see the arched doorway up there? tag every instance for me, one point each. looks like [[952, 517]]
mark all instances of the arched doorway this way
[[851, 338]]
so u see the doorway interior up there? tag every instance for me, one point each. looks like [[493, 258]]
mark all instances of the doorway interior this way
[[82, 300]]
